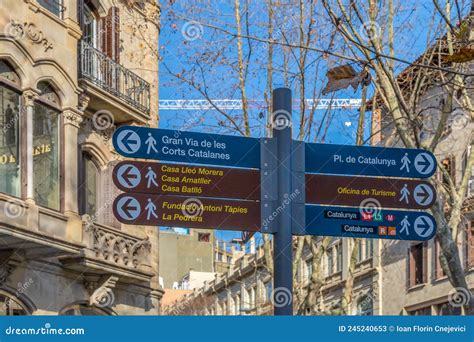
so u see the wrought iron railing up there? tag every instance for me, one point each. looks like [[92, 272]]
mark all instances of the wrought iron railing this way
[[114, 78]]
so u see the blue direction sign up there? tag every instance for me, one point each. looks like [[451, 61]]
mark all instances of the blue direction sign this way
[[369, 161], [369, 223], [187, 147]]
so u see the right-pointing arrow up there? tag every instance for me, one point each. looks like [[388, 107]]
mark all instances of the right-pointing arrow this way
[[423, 194], [425, 163]]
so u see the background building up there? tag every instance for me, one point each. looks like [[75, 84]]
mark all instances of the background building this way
[[182, 251], [70, 73]]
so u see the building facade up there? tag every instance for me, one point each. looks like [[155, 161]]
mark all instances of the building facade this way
[[72, 71], [246, 287], [183, 251]]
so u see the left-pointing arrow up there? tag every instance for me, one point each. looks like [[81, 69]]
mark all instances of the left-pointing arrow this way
[[128, 141], [128, 176], [128, 208]]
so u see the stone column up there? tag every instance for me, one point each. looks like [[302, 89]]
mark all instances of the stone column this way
[[72, 120], [29, 98]]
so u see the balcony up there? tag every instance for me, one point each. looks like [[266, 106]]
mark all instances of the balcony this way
[[102, 74], [110, 251]]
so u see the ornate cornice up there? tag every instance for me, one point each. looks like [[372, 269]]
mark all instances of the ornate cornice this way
[[72, 118]]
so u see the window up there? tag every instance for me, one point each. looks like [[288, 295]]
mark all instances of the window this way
[[360, 252], [9, 141], [237, 305], [309, 269], [232, 306], [224, 308], [90, 26], [470, 245], [204, 237], [418, 266], [369, 248], [338, 249], [54, 6], [11, 306], [334, 256], [89, 186], [446, 309], [450, 167], [46, 155], [268, 292], [439, 272], [330, 262], [365, 306], [84, 310], [420, 312], [252, 295]]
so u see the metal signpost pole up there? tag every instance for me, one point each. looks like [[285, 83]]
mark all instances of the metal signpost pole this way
[[283, 253]]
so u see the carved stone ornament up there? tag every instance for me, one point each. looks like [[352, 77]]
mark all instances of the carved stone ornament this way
[[102, 291], [72, 118], [117, 248], [32, 32]]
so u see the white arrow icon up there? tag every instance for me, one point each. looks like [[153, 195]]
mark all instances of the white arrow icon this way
[[424, 226], [423, 194], [128, 208], [128, 176], [128, 141], [424, 163]]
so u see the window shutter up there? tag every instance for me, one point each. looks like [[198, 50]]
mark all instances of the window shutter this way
[[110, 34], [116, 34]]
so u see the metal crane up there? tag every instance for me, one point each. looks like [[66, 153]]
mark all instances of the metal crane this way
[[229, 104]]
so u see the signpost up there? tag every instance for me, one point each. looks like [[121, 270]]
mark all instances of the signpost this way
[[178, 211], [369, 161], [372, 223], [356, 191], [187, 147], [187, 180], [273, 185]]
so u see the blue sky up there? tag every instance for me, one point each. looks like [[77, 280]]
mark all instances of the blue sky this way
[[210, 60]]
